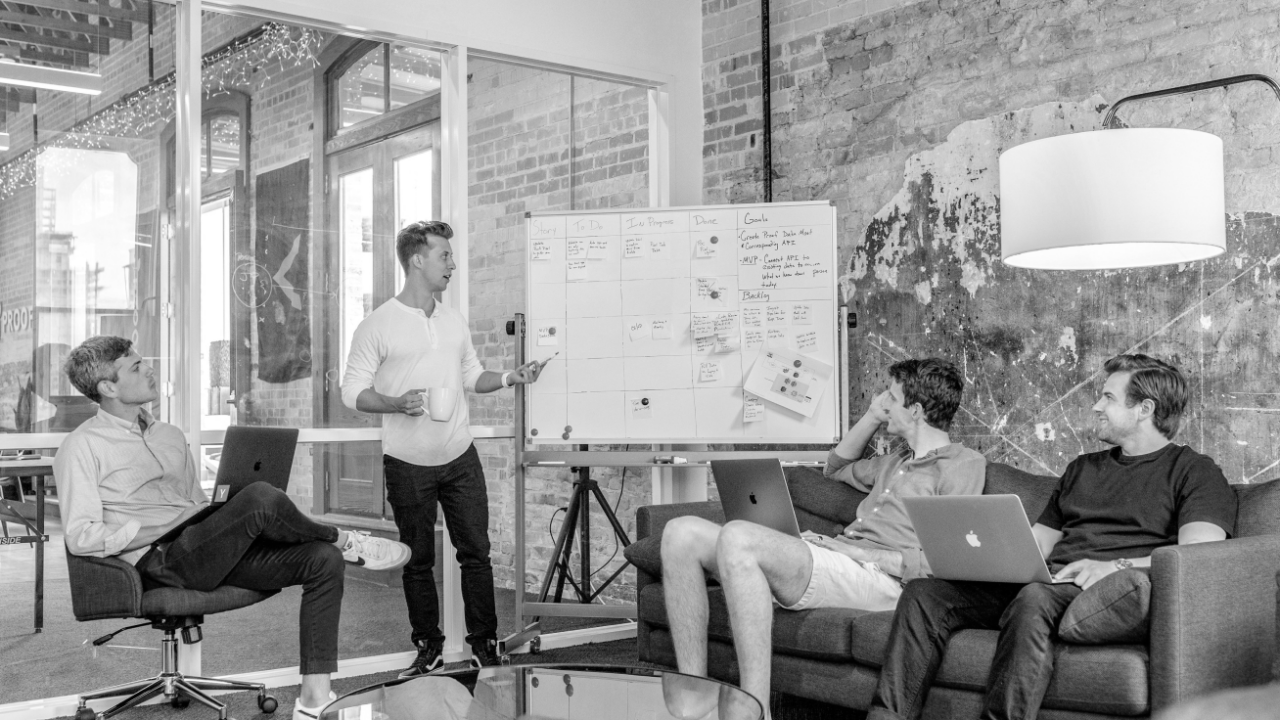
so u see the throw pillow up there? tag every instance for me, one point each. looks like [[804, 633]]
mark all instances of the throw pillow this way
[[646, 554], [1112, 610]]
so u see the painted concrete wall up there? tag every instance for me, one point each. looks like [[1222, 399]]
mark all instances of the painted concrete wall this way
[[898, 112]]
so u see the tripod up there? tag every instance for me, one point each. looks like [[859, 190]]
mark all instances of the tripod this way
[[577, 519]]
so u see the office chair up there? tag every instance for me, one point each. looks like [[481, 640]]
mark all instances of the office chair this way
[[104, 588]]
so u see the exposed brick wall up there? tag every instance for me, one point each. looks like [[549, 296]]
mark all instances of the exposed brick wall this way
[[527, 154], [897, 112]]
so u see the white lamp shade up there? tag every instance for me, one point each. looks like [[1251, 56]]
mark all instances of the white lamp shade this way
[[1112, 199]]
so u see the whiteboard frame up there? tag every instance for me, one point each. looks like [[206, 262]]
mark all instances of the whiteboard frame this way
[[840, 370]]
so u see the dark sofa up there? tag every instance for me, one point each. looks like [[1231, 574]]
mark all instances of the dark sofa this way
[[1213, 619]]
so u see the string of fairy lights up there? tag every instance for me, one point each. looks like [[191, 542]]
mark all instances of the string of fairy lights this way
[[246, 65]]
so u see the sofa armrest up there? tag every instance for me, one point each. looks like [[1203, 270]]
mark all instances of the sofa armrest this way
[[650, 519], [1213, 617], [103, 588]]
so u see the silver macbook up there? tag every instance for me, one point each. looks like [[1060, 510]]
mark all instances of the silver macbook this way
[[978, 537], [756, 490]]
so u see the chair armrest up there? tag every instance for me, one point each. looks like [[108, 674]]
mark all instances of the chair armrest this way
[[1213, 617], [650, 519], [103, 588]]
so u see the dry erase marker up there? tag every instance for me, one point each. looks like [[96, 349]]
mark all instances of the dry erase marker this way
[[543, 363]]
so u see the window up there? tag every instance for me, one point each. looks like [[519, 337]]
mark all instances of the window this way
[[377, 78]]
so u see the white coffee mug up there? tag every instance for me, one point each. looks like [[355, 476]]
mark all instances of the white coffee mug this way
[[440, 402]]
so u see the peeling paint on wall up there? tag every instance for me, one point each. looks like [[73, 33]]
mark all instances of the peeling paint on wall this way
[[924, 292]]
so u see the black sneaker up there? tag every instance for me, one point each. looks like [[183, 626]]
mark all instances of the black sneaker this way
[[429, 659], [484, 653]]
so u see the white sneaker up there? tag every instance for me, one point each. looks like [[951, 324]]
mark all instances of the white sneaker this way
[[375, 553], [302, 712]]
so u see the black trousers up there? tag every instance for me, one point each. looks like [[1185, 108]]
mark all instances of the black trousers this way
[[458, 487], [930, 611], [260, 540]]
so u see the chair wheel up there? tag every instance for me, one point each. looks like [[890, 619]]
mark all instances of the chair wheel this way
[[180, 702], [85, 713], [267, 704]]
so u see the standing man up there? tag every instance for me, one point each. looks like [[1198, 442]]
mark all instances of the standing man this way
[[126, 479], [863, 568], [1110, 511], [407, 345]]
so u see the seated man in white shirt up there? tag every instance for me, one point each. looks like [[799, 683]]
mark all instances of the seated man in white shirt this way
[[864, 568], [126, 479]]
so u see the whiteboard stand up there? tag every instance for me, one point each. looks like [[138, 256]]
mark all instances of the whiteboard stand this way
[[529, 614]]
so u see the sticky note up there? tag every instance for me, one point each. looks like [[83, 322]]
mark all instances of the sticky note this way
[[726, 344], [597, 249], [708, 371], [633, 247], [541, 250], [659, 249], [800, 315], [775, 316], [726, 323], [705, 344], [752, 408], [638, 329], [753, 316], [547, 336], [704, 249], [752, 338], [777, 336], [575, 249], [703, 325], [807, 340], [661, 329], [641, 409]]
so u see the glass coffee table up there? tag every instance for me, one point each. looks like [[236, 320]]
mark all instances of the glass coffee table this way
[[548, 692]]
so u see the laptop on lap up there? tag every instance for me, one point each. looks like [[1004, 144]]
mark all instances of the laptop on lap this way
[[249, 455], [978, 537], [756, 491]]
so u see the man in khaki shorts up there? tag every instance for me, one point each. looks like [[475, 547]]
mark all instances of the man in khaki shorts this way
[[863, 568]]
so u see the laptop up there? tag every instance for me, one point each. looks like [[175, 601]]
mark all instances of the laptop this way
[[756, 491], [978, 537], [249, 455]]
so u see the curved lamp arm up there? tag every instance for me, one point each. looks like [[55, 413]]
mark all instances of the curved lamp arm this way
[[1110, 122]]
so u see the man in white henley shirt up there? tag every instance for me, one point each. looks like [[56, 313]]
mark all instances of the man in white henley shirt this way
[[407, 345]]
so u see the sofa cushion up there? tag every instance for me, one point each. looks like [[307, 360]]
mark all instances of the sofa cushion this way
[[822, 505], [871, 637], [1110, 679], [1033, 490], [823, 634], [1112, 610], [646, 554], [1259, 509]]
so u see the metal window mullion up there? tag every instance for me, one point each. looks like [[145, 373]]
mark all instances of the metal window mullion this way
[[186, 240]]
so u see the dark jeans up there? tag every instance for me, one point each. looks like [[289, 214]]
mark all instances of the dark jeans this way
[[458, 487], [260, 540], [931, 610]]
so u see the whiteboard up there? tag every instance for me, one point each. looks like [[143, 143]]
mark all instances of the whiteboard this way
[[661, 318]]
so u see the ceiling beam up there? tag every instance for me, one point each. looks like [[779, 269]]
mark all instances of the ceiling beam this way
[[120, 31], [70, 58], [86, 8], [95, 45]]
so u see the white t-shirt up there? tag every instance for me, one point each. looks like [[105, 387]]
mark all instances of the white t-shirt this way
[[399, 348]]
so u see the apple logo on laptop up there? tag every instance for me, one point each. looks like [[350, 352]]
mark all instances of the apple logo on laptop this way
[[972, 539], [753, 498], [257, 465]]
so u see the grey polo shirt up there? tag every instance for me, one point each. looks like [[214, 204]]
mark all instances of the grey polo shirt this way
[[883, 523]]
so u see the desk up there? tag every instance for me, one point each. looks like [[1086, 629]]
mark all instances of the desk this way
[[38, 469]]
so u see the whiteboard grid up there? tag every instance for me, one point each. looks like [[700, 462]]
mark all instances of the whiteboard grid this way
[[627, 298]]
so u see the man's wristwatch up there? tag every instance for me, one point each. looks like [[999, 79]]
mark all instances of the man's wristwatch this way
[[1123, 564]]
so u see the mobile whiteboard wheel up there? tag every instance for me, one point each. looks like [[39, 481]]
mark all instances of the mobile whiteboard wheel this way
[[267, 704], [85, 713]]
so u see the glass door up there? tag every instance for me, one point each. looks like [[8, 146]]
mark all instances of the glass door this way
[[372, 191]]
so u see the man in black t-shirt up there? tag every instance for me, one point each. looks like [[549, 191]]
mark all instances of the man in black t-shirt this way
[[1110, 511]]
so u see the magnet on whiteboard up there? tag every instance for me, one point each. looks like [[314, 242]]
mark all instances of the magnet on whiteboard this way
[[564, 436], [714, 239], [644, 401], [552, 331], [715, 294], [568, 428], [797, 363], [533, 431]]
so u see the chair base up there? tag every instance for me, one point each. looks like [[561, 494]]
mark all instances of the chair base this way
[[170, 684]]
